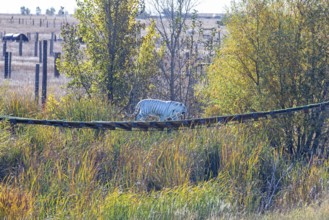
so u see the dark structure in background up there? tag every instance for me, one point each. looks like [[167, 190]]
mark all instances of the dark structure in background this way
[[15, 37]]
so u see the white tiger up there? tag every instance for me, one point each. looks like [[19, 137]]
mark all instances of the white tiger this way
[[165, 110]]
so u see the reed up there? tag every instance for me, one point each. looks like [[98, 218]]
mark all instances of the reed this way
[[207, 173]]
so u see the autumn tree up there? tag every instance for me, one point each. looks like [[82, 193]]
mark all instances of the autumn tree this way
[[25, 10], [50, 11], [171, 24], [275, 56], [115, 60], [74, 63], [61, 11], [145, 68], [38, 10]]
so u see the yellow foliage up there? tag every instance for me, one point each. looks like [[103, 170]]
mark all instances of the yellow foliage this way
[[15, 203], [264, 61], [52, 104], [228, 87]]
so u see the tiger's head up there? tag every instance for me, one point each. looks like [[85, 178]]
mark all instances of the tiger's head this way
[[178, 111]]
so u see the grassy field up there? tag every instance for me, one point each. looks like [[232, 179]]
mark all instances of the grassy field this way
[[23, 67], [225, 172]]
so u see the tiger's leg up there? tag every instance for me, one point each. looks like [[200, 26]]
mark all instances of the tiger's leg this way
[[163, 118], [176, 117], [140, 117]]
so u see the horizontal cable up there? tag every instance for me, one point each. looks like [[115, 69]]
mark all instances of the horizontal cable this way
[[162, 125]]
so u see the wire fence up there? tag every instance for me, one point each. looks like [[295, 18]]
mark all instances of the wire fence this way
[[165, 125]]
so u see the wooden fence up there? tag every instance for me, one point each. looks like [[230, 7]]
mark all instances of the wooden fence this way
[[43, 58]]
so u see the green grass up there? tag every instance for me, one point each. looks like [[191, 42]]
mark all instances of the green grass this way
[[215, 173]]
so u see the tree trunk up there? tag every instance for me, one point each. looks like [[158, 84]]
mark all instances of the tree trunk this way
[[172, 77]]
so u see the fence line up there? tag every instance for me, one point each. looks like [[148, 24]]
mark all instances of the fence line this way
[[145, 126]]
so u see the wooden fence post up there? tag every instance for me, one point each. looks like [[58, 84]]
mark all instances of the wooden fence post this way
[[36, 88], [6, 64], [4, 48], [20, 45], [56, 71], [44, 74], [40, 51], [36, 44], [51, 46], [9, 65]]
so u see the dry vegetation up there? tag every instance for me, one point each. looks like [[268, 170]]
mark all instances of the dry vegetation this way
[[52, 173], [23, 67]]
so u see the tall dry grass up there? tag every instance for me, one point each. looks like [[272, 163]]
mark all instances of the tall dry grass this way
[[207, 173]]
